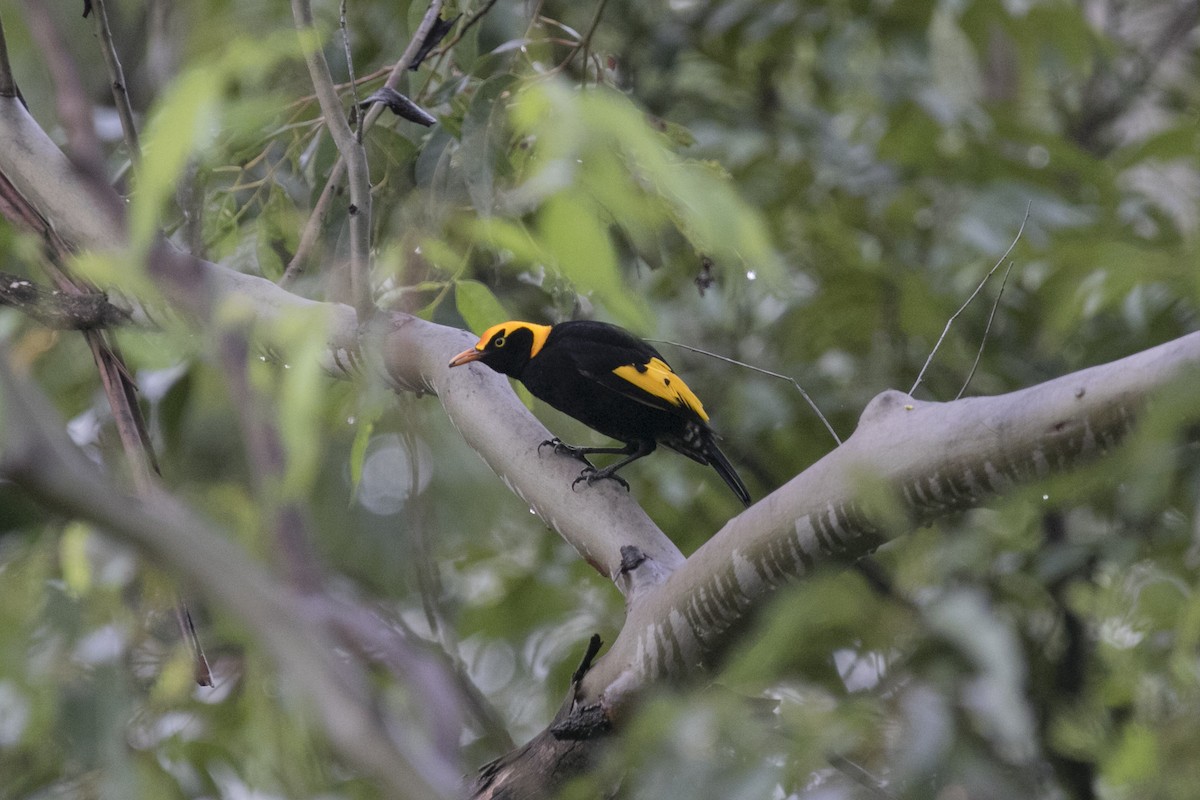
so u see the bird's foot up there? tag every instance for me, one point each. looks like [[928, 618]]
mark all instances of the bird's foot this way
[[561, 448], [590, 475]]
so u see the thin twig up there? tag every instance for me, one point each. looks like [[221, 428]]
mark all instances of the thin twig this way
[[352, 152], [986, 330], [462, 29], [71, 99], [75, 110], [587, 38], [312, 228], [116, 75], [267, 462], [872, 785], [787, 378], [308, 236], [584, 42], [358, 134], [967, 302]]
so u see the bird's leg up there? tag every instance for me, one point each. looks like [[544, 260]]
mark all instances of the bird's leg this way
[[561, 448], [633, 451]]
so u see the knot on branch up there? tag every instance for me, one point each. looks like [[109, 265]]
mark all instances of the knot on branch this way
[[885, 404], [60, 310], [631, 558], [575, 722], [638, 573], [588, 722]]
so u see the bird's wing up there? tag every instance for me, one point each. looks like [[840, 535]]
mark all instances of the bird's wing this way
[[647, 380]]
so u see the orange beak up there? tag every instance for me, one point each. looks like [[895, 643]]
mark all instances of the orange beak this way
[[466, 357]]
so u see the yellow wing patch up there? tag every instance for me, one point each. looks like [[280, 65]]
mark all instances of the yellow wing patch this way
[[656, 378]]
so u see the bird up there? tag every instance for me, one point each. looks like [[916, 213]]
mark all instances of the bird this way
[[611, 381]]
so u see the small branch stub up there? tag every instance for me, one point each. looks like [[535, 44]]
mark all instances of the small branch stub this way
[[59, 310]]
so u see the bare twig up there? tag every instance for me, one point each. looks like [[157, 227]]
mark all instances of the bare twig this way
[[967, 302], [56, 309], [591, 31], [351, 151], [787, 378], [74, 106], [466, 26], [118, 383], [267, 462], [116, 75], [310, 233], [585, 42], [358, 133], [312, 228], [986, 330], [873, 787], [37, 456]]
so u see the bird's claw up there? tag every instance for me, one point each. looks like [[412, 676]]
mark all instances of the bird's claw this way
[[590, 475], [561, 448]]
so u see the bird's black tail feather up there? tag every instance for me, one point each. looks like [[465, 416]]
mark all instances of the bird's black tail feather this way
[[699, 443], [728, 474]]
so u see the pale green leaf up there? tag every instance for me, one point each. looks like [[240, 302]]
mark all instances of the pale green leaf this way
[[477, 305]]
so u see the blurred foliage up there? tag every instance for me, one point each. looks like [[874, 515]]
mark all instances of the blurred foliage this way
[[810, 187]]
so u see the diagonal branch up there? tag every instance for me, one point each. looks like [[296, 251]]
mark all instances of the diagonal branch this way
[[35, 454], [58, 310], [308, 236], [352, 153], [411, 353], [116, 76], [909, 462]]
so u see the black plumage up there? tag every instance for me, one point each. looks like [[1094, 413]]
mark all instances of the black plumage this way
[[611, 381]]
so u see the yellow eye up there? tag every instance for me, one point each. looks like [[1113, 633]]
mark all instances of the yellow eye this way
[[498, 341]]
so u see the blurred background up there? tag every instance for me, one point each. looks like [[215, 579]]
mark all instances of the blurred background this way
[[810, 188]]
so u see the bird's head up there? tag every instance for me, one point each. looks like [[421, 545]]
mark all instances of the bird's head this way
[[506, 347]]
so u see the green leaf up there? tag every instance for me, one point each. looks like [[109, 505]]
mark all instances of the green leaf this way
[[1136, 757], [358, 452], [484, 142], [180, 124], [478, 307], [579, 241]]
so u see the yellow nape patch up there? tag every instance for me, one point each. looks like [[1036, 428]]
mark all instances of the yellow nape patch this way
[[540, 332], [658, 379]]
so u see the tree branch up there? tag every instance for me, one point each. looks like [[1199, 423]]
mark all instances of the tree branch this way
[[116, 77], [308, 235], [352, 153], [55, 309], [408, 351], [34, 453], [908, 463]]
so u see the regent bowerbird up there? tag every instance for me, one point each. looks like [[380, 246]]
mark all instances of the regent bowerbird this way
[[611, 381]]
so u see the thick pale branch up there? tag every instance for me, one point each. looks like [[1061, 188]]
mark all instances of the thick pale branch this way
[[598, 521], [412, 352], [906, 464]]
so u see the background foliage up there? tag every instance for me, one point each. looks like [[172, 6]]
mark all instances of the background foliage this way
[[810, 187]]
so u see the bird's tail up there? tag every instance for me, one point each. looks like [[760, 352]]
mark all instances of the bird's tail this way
[[728, 474]]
